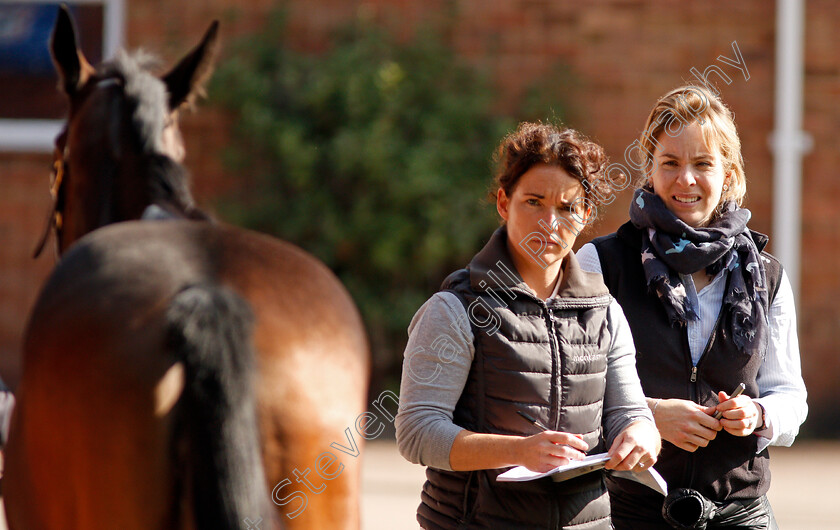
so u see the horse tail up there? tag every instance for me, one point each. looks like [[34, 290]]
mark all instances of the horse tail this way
[[209, 330]]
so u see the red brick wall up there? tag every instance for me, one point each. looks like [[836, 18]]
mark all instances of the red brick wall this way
[[24, 204], [621, 55], [819, 313]]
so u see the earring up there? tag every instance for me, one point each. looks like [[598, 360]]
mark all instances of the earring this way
[[726, 187]]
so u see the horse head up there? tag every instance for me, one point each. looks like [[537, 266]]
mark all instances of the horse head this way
[[120, 151]]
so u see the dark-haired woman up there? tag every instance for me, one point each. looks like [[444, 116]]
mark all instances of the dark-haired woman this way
[[709, 310], [523, 329]]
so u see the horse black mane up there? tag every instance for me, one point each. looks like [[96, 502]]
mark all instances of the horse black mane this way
[[146, 95]]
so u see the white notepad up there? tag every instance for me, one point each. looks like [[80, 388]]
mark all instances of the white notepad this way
[[649, 477]]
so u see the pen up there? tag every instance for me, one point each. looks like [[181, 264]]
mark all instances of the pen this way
[[735, 393], [533, 420]]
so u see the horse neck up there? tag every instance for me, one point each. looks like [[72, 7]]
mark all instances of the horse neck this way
[[104, 194]]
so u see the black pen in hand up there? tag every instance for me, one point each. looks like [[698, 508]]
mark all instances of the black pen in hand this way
[[533, 420], [735, 393]]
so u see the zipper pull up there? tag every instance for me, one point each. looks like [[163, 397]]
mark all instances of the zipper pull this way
[[693, 374]]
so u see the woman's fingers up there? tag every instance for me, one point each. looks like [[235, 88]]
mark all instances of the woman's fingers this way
[[706, 419], [636, 447], [688, 446], [686, 424], [692, 442], [547, 450], [739, 414], [575, 441]]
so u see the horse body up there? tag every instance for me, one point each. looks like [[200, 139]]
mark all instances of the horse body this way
[[99, 437]]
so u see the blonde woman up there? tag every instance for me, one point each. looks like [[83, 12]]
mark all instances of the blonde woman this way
[[709, 310]]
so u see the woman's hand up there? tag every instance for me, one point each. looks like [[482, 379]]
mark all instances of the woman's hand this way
[[636, 447], [544, 451], [541, 452], [686, 424], [740, 414]]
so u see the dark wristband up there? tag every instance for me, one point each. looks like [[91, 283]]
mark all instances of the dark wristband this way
[[760, 425]]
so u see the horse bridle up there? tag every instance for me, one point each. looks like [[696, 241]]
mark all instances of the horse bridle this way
[[59, 170], [57, 179]]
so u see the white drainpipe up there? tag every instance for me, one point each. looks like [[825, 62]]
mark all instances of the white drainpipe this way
[[788, 141], [115, 26]]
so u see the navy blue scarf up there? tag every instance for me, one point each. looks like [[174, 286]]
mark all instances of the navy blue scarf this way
[[670, 246]]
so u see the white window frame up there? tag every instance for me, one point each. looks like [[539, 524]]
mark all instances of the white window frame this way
[[38, 135]]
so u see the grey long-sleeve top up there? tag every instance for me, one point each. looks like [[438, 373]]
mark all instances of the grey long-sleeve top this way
[[437, 362]]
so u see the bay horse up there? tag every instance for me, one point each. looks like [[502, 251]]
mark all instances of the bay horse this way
[[177, 372]]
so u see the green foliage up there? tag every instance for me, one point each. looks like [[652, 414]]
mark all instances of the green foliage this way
[[374, 156]]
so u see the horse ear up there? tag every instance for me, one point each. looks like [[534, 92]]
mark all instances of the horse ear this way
[[73, 69], [187, 78]]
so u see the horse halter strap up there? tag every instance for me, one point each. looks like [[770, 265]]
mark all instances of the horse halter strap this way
[[57, 177], [59, 169]]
